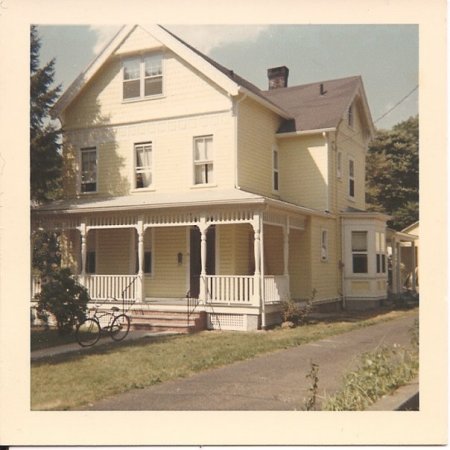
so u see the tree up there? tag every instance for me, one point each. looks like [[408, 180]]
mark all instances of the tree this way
[[62, 297], [45, 157], [393, 173]]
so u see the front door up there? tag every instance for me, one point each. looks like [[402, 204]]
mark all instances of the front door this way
[[195, 260]]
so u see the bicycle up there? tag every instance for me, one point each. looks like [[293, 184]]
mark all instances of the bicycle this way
[[89, 331]]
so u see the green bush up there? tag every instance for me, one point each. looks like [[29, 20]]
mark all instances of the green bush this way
[[62, 297], [293, 312]]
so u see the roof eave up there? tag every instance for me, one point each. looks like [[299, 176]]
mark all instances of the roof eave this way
[[305, 132]]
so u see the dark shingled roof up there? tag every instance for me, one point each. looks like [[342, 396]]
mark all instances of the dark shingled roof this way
[[310, 109]]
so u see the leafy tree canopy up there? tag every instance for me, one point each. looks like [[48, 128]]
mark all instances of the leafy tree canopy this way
[[46, 160], [393, 173]]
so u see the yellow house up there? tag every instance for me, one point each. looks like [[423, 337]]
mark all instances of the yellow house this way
[[182, 179]]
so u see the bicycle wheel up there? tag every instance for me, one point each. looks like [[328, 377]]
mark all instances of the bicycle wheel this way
[[120, 327], [88, 332]]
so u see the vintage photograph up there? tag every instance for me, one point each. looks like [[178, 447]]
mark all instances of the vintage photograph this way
[[225, 217], [209, 223]]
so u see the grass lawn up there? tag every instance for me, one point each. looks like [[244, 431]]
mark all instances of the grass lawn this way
[[41, 338], [73, 380]]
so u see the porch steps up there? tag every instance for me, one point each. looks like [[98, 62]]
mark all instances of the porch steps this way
[[167, 320]]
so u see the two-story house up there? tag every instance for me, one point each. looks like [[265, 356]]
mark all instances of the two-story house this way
[[182, 177]]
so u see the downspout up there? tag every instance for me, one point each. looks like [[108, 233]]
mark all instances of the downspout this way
[[341, 224], [235, 111]]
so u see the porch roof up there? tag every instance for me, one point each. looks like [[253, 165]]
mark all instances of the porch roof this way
[[158, 200]]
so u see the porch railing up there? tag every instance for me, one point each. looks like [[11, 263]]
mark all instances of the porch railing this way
[[276, 288], [230, 289], [104, 287]]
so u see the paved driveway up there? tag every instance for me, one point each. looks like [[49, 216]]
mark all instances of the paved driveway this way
[[275, 381]]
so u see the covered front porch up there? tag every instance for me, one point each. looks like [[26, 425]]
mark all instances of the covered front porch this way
[[226, 261]]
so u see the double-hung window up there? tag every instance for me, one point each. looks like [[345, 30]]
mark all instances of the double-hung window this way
[[275, 166], [203, 160], [143, 165], [380, 248], [142, 77], [351, 178], [88, 169], [359, 251]]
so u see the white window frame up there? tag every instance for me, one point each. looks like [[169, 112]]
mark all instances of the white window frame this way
[[350, 116], [351, 178], [339, 165], [142, 169], [82, 152], [143, 77], [380, 252], [360, 252], [275, 169], [323, 244], [209, 181]]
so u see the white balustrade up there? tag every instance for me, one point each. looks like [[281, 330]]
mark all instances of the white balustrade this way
[[230, 289], [35, 286], [104, 287], [275, 288]]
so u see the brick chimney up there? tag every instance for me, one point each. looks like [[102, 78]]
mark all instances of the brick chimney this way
[[278, 77]]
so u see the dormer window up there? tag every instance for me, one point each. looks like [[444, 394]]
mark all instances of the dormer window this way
[[142, 77]]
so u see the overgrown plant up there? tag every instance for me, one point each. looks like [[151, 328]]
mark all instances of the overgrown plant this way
[[380, 372], [297, 314], [313, 375], [63, 298]]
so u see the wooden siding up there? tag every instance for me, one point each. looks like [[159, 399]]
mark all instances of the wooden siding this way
[[351, 142], [304, 171], [185, 91], [273, 250], [169, 279], [256, 137], [325, 275], [299, 264], [138, 40], [113, 251]]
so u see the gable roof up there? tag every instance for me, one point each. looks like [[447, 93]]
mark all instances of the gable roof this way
[[320, 105], [302, 107]]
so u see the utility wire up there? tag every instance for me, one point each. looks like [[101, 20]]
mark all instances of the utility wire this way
[[397, 104]]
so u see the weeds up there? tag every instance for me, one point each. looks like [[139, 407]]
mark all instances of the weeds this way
[[313, 375], [380, 372]]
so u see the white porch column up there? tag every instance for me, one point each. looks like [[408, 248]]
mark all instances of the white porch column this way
[[203, 227], [399, 272], [140, 281], [83, 233], [256, 224], [286, 255], [413, 256], [394, 264]]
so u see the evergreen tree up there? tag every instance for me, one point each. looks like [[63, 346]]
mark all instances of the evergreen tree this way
[[393, 173], [46, 160]]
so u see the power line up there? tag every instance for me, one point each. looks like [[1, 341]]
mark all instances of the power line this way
[[397, 104]]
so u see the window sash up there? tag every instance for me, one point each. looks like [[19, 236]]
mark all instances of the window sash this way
[[203, 160], [275, 165], [142, 77], [143, 165], [88, 164]]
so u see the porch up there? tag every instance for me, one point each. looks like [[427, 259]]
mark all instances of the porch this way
[[228, 260]]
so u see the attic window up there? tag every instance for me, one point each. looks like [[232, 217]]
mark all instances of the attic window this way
[[142, 77], [350, 116]]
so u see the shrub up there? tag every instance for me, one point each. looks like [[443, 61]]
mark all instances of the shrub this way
[[62, 297], [291, 311]]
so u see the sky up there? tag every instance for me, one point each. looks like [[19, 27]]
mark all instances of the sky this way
[[386, 56]]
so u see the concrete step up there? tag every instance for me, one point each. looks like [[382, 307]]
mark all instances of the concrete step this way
[[168, 321]]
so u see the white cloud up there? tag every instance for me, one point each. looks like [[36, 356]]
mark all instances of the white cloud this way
[[207, 37], [104, 35], [202, 37]]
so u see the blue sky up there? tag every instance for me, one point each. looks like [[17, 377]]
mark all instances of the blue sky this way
[[386, 56]]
